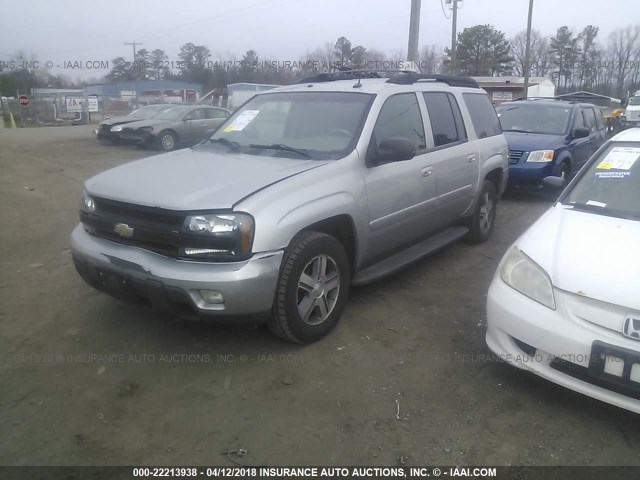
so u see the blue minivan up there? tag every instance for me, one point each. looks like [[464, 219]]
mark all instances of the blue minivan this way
[[549, 138]]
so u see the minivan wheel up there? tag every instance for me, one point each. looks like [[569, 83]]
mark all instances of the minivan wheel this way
[[167, 140], [312, 289], [565, 172], [482, 222]]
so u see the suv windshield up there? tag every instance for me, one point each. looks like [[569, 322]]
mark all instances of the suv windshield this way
[[148, 111], [534, 118], [611, 184], [634, 101], [318, 125]]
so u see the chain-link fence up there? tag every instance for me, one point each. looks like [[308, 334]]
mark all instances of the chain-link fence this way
[[50, 107]]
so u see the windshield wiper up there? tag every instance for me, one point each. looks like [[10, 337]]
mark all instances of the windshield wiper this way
[[283, 147], [515, 130], [602, 210], [228, 143]]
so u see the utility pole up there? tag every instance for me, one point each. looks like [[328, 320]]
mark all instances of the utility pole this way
[[135, 76], [414, 31], [454, 31], [527, 54]]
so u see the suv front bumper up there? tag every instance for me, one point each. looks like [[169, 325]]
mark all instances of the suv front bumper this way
[[174, 286]]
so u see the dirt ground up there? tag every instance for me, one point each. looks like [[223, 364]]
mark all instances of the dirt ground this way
[[86, 380]]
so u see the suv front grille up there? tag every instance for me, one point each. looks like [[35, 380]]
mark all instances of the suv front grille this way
[[151, 228], [515, 156]]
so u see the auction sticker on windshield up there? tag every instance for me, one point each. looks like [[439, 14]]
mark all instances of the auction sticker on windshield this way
[[242, 120], [620, 158]]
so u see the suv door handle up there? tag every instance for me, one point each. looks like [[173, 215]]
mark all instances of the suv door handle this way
[[426, 171], [471, 158]]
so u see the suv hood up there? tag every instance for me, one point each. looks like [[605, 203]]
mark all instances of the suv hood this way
[[589, 254], [194, 179], [529, 142]]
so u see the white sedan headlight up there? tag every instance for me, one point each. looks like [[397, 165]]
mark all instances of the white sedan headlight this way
[[117, 128], [524, 275], [540, 156]]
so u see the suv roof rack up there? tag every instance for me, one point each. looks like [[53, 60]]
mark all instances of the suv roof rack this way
[[398, 77], [408, 78], [344, 75]]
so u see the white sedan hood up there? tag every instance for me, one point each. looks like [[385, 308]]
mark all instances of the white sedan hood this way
[[589, 254]]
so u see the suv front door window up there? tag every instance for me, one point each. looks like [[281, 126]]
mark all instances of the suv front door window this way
[[401, 195]]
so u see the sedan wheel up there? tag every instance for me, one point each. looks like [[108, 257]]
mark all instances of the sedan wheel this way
[[168, 141]]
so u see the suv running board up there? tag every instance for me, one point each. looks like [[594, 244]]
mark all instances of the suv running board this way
[[410, 255]]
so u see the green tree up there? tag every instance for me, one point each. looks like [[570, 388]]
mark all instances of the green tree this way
[[343, 51], [358, 56], [194, 66], [564, 50], [159, 68], [121, 70], [482, 51], [587, 40]]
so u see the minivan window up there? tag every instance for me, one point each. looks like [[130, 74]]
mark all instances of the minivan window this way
[[444, 126], [599, 119], [400, 118], [483, 115], [590, 117], [578, 120], [534, 117]]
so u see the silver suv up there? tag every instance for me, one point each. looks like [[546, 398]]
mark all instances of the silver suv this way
[[304, 191]]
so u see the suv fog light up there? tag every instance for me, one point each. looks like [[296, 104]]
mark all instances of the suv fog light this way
[[212, 296]]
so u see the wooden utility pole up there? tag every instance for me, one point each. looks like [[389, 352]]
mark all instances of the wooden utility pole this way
[[135, 76], [454, 34], [414, 31], [527, 54]]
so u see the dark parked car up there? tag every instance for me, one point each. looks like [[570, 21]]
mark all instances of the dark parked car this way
[[109, 129], [180, 125], [549, 138]]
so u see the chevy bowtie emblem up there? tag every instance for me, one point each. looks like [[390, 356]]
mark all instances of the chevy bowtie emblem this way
[[123, 230], [631, 328]]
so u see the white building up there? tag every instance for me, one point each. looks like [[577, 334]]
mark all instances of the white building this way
[[506, 89]]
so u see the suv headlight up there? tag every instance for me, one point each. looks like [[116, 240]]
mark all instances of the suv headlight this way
[[214, 236], [524, 275], [87, 204], [540, 156], [117, 128]]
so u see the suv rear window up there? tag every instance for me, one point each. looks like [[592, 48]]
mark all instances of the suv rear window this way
[[445, 118], [483, 115]]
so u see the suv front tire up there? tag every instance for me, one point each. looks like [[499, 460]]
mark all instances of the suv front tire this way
[[312, 289]]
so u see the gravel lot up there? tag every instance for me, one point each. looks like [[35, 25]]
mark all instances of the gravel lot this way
[[88, 380]]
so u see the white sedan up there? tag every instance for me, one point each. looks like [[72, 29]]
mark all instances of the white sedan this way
[[565, 301]]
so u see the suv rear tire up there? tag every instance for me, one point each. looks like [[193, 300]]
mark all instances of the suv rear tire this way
[[484, 217], [312, 290]]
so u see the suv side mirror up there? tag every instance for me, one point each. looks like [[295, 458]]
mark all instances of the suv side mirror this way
[[581, 132], [393, 150]]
